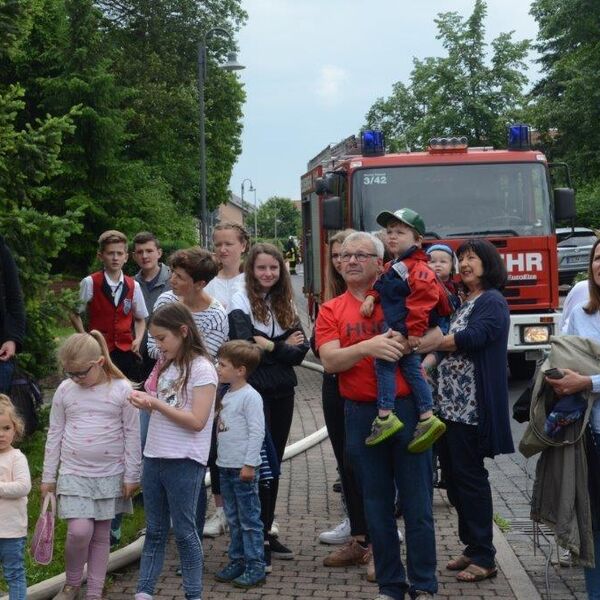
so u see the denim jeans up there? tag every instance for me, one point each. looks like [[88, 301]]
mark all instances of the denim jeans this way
[[410, 365], [242, 509], [592, 576], [7, 368], [171, 488], [144, 423], [469, 491], [12, 559], [381, 470]]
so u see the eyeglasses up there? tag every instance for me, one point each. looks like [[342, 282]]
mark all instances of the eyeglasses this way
[[336, 256], [361, 257], [78, 374]]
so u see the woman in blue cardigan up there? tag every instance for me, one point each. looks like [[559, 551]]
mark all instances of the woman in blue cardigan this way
[[472, 400]]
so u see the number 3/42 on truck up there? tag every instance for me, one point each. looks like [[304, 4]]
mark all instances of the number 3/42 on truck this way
[[504, 195]]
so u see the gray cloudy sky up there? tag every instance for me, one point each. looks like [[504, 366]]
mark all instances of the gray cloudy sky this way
[[314, 67]]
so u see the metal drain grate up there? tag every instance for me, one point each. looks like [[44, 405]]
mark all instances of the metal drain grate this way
[[528, 527]]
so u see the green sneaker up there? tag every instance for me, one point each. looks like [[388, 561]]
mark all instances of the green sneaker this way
[[426, 433], [382, 429]]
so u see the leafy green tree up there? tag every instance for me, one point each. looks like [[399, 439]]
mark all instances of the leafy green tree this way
[[160, 61], [470, 91], [566, 100], [29, 162], [281, 210], [99, 181]]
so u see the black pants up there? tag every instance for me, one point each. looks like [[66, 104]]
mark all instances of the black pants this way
[[333, 411], [129, 363], [279, 412], [469, 491], [215, 480]]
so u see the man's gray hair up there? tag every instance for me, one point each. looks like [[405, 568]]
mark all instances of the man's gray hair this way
[[360, 236]]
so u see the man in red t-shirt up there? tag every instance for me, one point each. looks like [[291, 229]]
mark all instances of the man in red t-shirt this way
[[348, 344]]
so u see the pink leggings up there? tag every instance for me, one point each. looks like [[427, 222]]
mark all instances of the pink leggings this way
[[87, 541]]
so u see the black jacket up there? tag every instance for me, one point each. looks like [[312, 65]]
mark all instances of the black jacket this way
[[275, 374], [12, 309]]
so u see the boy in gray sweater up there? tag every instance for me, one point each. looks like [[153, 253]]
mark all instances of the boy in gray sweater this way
[[240, 435]]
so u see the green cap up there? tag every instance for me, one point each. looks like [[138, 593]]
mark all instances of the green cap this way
[[405, 215]]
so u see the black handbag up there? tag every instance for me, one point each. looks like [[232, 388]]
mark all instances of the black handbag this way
[[522, 406], [27, 397]]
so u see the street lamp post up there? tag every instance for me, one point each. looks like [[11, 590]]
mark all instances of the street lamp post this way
[[231, 65], [250, 189]]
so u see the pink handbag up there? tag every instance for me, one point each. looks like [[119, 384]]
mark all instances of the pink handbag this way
[[42, 542], [151, 383]]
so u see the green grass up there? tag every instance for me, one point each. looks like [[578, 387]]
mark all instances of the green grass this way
[[503, 524], [33, 448], [62, 332]]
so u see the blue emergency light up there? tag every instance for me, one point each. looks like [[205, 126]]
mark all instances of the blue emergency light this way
[[372, 143], [519, 137]]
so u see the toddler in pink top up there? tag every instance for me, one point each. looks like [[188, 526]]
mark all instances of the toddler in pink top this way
[[93, 445], [15, 484]]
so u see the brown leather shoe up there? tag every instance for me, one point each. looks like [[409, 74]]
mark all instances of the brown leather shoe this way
[[371, 576], [349, 554]]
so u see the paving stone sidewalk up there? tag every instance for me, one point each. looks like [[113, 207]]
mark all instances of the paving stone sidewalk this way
[[512, 477], [306, 506]]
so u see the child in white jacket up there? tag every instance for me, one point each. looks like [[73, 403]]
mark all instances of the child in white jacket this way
[[15, 484]]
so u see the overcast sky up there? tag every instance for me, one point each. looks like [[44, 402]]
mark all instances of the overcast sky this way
[[314, 68]]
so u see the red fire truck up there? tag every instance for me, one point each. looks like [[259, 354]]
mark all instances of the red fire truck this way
[[505, 196]]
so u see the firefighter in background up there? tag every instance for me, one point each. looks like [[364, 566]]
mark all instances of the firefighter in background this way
[[291, 254]]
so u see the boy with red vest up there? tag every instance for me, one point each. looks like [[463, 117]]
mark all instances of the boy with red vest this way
[[115, 305]]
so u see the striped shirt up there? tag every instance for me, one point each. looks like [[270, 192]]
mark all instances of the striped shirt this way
[[212, 324], [167, 439]]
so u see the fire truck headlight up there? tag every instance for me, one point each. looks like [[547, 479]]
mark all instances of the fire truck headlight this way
[[535, 334]]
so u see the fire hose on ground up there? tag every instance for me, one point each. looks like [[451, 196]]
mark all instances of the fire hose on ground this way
[[132, 552]]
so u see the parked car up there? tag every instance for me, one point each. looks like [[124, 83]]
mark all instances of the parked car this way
[[574, 246]]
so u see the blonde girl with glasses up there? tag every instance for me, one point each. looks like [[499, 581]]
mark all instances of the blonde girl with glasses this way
[[92, 458]]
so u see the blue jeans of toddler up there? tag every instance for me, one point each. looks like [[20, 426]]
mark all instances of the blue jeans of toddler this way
[[12, 560], [242, 509], [410, 365]]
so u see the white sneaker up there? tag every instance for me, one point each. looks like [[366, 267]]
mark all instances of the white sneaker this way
[[216, 525], [337, 535], [274, 531], [566, 558]]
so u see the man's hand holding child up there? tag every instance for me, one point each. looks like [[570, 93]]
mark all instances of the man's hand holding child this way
[[366, 308]]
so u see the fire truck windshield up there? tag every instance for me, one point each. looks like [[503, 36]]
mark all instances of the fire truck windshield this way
[[510, 199]]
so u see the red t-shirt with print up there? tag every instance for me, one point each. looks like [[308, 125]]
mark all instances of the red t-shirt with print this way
[[340, 319]]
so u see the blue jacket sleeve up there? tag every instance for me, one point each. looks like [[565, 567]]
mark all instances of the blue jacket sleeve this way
[[487, 322]]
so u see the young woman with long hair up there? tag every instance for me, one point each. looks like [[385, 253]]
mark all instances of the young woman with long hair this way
[[230, 241], [265, 314]]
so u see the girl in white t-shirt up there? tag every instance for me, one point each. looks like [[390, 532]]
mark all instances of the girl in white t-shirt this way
[[231, 242], [177, 447]]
